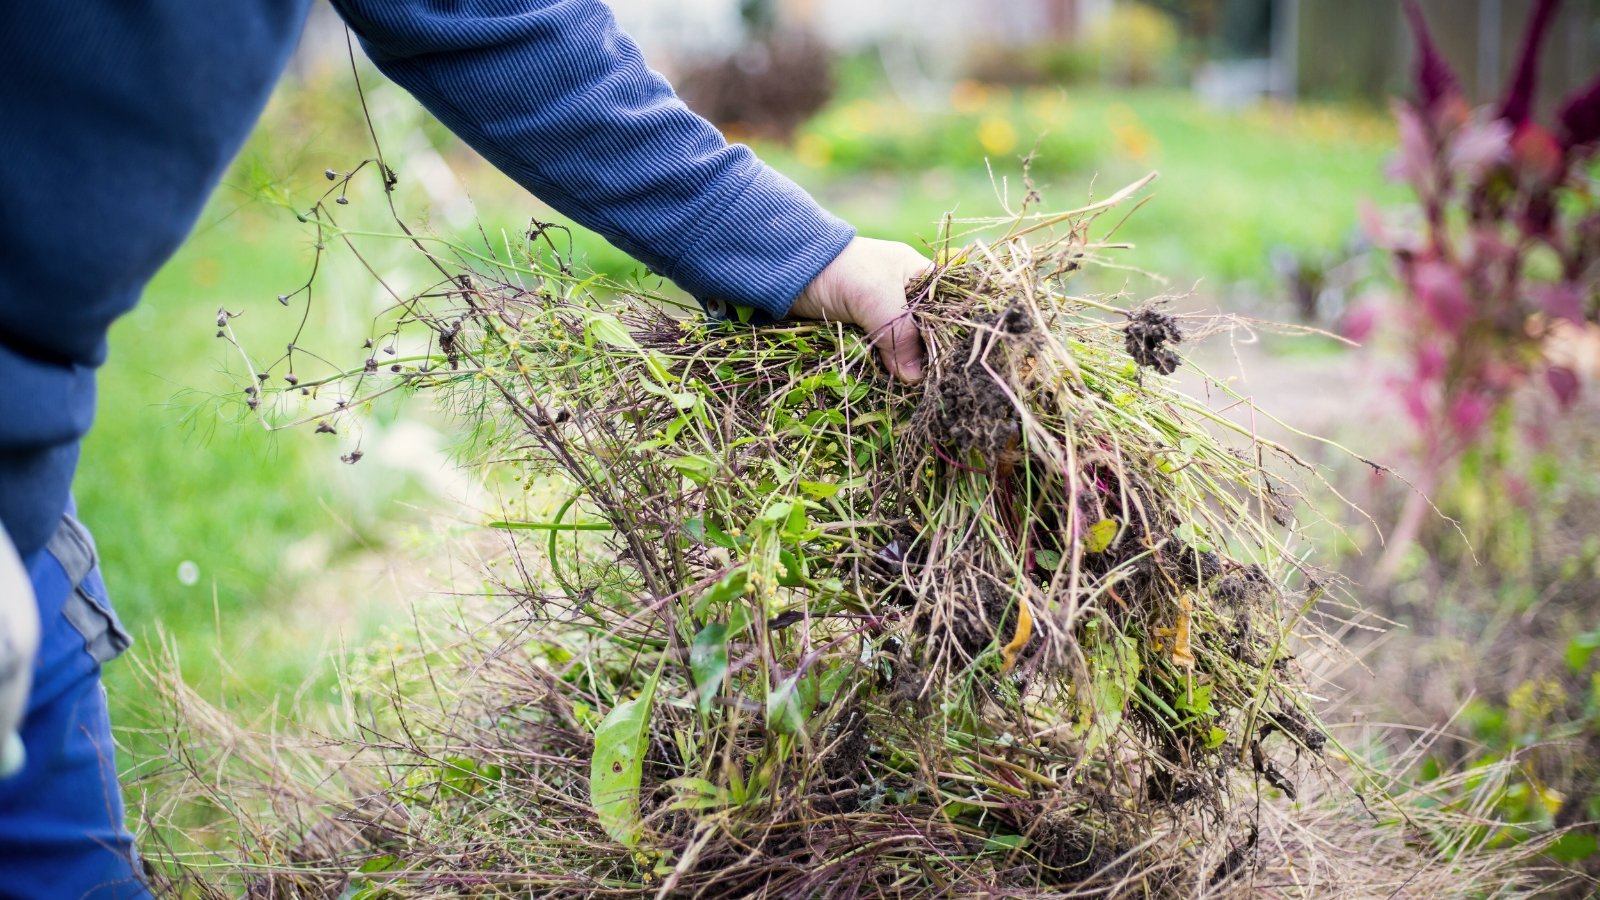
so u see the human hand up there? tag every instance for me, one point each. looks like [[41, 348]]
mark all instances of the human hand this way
[[866, 285]]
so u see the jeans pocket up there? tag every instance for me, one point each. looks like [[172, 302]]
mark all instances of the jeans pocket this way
[[86, 608]]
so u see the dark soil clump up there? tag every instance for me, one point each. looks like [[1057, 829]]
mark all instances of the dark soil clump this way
[[1148, 334], [971, 410], [1077, 853]]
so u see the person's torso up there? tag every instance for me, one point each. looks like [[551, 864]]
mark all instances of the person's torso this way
[[119, 118]]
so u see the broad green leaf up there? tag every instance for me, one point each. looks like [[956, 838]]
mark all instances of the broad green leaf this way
[[1113, 674], [1215, 738], [1050, 559], [796, 524], [821, 490], [790, 703], [1574, 846], [794, 568], [608, 329], [681, 399], [620, 744], [730, 588], [777, 512], [698, 469], [1581, 649], [831, 682], [708, 659], [660, 365], [1195, 701], [697, 794], [1193, 534], [1099, 536]]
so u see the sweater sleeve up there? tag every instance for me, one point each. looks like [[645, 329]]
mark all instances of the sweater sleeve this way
[[556, 96]]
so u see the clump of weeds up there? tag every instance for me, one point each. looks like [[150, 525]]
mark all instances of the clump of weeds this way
[[776, 626]]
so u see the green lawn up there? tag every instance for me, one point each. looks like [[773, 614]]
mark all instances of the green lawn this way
[[175, 475], [1233, 185]]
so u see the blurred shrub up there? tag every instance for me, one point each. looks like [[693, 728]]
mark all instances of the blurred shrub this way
[[1501, 262], [1048, 62], [765, 89], [979, 123], [1134, 44]]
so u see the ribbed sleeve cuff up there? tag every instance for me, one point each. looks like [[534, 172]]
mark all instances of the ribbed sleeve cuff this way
[[761, 247]]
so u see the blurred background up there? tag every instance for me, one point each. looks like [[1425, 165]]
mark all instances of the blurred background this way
[[258, 557]]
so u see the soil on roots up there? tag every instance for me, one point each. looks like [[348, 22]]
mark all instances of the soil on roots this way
[[1148, 334]]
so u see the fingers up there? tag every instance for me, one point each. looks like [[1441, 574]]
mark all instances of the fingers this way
[[866, 285], [900, 347]]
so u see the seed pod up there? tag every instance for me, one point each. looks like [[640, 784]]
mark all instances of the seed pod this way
[[292, 378], [330, 174]]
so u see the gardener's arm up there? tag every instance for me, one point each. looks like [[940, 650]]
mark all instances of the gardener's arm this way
[[557, 97]]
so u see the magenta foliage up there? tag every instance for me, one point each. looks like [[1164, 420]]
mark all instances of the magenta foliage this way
[[1580, 116], [1435, 80], [1507, 249], [1518, 104]]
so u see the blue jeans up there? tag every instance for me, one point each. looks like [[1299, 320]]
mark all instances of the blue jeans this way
[[61, 818]]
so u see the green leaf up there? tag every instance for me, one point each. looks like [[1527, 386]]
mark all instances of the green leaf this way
[[821, 490], [698, 469], [1574, 846], [1114, 674], [1003, 841], [796, 524], [697, 794], [617, 767], [708, 659], [730, 588], [1194, 535], [790, 704], [832, 681], [777, 511], [1581, 649], [794, 568], [1049, 559], [684, 400], [1099, 536], [1195, 701], [1215, 737], [608, 329]]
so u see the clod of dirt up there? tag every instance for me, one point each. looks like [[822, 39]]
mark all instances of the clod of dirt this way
[[1076, 852], [972, 621], [1147, 336], [850, 744], [1294, 724], [1246, 584], [1236, 859], [972, 411]]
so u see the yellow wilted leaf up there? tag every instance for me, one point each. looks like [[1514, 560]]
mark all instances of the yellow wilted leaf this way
[[1099, 536]]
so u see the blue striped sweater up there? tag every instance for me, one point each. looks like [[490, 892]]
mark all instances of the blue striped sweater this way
[[121, 117]]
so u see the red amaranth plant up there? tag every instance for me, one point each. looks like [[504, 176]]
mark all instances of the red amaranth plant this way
[[1506, 249]]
